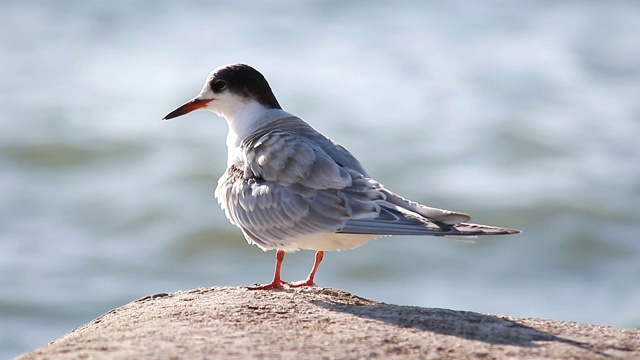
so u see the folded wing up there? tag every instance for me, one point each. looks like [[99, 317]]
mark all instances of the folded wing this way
[[291, 182]]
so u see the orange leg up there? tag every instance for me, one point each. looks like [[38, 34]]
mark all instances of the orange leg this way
[[312, 274], [277, 282]]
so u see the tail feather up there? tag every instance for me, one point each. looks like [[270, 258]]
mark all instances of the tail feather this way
[[479, 229], [441, 215], [399, 216], [384, 227]]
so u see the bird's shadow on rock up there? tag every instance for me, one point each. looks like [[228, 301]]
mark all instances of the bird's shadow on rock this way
[[464, 324]]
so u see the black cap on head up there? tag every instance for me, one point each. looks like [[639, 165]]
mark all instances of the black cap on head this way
[[245, 81]]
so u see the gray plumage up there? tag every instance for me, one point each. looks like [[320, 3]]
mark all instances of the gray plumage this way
[[290, 182]]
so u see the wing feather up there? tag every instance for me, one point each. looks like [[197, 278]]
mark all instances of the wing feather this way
[[290, 182]]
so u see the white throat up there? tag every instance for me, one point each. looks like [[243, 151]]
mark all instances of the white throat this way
[[242, 121]]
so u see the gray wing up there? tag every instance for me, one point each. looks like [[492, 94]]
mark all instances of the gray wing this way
[[292, 182]]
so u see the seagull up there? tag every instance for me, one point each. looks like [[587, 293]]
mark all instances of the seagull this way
[[289, 187]]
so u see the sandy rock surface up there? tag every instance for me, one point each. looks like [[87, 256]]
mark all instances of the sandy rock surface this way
[[323, 323]]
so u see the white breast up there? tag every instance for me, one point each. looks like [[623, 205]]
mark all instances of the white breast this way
[[327, 242]]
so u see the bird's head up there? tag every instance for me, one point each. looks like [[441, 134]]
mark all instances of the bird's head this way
[[227, 90]]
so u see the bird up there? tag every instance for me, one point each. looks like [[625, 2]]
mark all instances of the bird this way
[[289, 187]]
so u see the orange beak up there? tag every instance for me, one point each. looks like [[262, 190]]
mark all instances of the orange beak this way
[[186, 108]]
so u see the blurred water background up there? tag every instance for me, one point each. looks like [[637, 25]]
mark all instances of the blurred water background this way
[[523, 114]]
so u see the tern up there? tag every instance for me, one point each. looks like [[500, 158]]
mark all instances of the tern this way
[[289, 187]]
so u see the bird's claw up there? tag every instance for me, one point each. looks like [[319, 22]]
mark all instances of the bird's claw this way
[[303, 283], [275, 284]]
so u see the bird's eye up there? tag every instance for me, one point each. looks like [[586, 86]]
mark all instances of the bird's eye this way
[[219, 85]]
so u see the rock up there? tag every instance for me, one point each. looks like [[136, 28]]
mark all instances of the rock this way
[[323, 323]]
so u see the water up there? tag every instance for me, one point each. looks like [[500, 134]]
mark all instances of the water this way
[[523, 114]]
